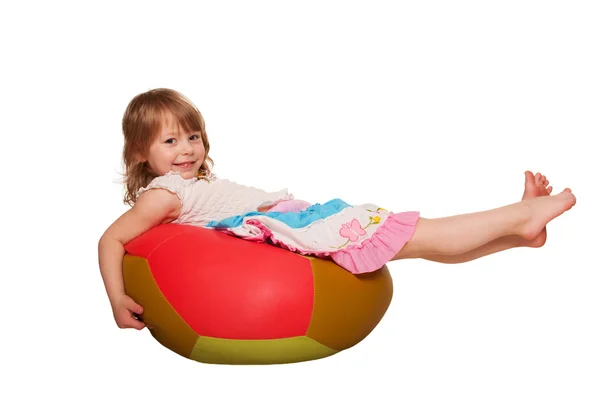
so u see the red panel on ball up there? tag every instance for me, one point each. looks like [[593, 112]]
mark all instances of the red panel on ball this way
[[227, 287]]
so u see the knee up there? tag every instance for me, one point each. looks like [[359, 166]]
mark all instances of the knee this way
[[409, 250]]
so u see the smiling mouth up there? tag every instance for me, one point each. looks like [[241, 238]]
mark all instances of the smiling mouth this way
[[186, 164]]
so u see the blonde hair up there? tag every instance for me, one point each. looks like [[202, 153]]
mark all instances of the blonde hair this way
[[142, 122]]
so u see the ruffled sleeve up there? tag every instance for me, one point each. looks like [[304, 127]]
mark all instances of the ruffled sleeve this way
[[171, 181]]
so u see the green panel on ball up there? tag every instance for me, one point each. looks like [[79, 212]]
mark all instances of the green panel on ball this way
[[276, 351], [169, 328]]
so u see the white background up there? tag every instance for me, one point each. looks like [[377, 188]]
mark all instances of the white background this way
[[432, 106]]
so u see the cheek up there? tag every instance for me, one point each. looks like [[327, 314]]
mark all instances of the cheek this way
[[165, 157]]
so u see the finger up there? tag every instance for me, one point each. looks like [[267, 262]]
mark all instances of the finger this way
[[134, 307], [139, 325], [135, 324]]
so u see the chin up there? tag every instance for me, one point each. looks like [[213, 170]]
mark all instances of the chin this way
[[188, 174], [184, 174]]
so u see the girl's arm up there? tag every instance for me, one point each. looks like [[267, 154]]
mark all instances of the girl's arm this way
[[154, 207]]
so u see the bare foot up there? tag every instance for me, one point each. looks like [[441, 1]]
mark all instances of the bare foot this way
[[536, 186], [544, 209]]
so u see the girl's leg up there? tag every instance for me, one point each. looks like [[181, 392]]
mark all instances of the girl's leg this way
[[463, 233], [535, 186], [495, 246]]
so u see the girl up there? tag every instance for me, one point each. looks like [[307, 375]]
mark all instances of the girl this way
[[168, 179]]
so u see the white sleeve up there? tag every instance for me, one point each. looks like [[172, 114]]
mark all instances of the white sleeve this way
[[171, 181]]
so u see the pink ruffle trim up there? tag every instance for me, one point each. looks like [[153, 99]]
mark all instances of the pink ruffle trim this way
[[368, 256], [385, 243]]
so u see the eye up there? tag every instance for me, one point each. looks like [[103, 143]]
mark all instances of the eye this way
[[170, 141], [195, 137]]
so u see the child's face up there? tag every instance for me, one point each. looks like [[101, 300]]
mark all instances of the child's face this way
[[176, 150]]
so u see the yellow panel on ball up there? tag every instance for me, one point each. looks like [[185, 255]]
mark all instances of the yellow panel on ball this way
[[169, 328], [347, 306], [275, 351]]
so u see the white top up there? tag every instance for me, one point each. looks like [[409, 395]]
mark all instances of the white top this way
[[205, 200]]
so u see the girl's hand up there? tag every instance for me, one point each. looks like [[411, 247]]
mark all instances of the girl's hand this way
[[124, 309]]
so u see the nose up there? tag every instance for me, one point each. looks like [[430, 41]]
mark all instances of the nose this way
[[186, 147]]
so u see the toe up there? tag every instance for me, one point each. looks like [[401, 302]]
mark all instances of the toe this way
[[529, 178], [549, 189]]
